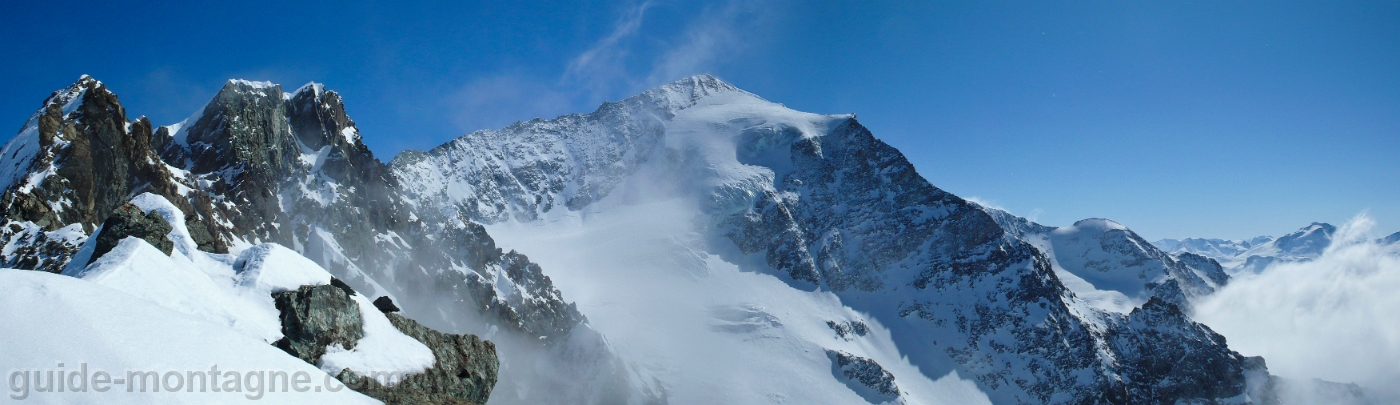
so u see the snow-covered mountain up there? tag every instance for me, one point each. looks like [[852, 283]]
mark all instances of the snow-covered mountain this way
[[1113, 268], [258, 165], [1255, 254], [719, 188], [1218, 249], [714, 247]]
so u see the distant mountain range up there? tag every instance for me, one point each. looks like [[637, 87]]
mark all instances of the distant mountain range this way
[[1258, 253]]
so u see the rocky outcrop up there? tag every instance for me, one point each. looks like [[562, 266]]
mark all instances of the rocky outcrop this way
[[315, 317], [129, 220], [848, 330], [464, 371], [865, 376], [1170, 359], [74, 162], [385, 304]]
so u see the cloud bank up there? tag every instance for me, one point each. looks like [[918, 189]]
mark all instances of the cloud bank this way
[[1336, 318]]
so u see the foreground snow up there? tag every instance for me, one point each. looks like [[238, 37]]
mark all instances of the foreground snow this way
[[236, 291], [57, 325], [150, 302]]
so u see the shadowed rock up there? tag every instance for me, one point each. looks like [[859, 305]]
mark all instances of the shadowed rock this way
[[129, 220], [385, 304]]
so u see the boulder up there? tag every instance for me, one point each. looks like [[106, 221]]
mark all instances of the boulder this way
[[129, 220], [314, 317]]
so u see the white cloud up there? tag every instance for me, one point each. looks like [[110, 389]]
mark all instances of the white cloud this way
[[601, 72], [603, 63], [1333, 318], [704, 44]]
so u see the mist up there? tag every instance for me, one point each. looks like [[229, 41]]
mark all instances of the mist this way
[[1333, 318]]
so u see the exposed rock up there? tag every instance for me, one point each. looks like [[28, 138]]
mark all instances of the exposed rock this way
[[203, 239], [464, 371], [36, 249], [129, 220], [865, 376], [848, 330], [1208, 266], [385, 304], [314, 317], [1171, 359]]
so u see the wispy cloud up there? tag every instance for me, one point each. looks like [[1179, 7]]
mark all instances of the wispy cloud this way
[[632, 57], [705, 43], [603, 64]]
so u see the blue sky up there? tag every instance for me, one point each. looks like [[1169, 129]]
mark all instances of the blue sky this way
[[1213, 118]]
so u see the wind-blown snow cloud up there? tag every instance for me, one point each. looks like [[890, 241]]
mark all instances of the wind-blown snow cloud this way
[[1333, 318], [704, 44], [631, 58], [602, 64]]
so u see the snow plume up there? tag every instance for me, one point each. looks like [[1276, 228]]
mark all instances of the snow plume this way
[[603, 63], [1332, 318], [696, 327], [712, 34], [631, 58], [704, 44]]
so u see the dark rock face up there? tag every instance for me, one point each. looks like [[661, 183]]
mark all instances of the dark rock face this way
[[1172, 359], [314, 317], [385, 304], [130, 221], [76, 161], [874, 383], [848, 330], [464, 371]]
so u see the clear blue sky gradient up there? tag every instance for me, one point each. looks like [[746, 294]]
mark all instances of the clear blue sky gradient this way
[[1183, 118]]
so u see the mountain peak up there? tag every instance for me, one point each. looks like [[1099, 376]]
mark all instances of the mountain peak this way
[[1099, 224], [250, 83], [687, 92], [317, 88]]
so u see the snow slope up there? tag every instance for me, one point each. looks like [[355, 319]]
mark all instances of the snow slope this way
[[54, 323], [236, 291]]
